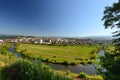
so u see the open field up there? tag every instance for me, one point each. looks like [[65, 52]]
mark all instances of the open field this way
[[58, 53]]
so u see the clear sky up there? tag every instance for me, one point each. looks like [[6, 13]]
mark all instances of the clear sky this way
[[53, 17]]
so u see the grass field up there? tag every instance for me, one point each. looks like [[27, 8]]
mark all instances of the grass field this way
[[58, 53]]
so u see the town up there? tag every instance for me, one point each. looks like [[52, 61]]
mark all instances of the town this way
[[56, 40]]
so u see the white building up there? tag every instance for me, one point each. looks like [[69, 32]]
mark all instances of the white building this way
[[1, 41], [41, 41]]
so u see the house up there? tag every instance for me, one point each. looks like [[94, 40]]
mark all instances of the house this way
[[1, 41]]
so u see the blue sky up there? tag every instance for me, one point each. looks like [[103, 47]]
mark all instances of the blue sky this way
[[53, 17]]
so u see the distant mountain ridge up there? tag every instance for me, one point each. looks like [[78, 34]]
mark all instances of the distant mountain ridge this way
[[101, 37], [5, 36]]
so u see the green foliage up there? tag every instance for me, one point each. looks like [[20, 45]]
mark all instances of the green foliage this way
[[46, 60], [83, 62], [59, 77], [111, 62], [82, 75], [112, 71], [4, 49], [94, 77], [73, 63], [17, 44], [79, 59], [21, 71], [90, 62], [115, 66], [27, 70], [68, 72], [112, 19], [6, 46], [1, 77], [24, 51], [93, 56], [65, 63]]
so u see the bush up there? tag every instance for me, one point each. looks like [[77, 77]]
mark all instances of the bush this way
[[82, 75], [65, 63], [1, 74], [54, 56], [89, 62], [68, 72], [78, 59], [73, 63], [93, 56], [59, 77], [27, 70], [22, 70], [94, 77], [86, 59], [46, 60], [4, 51], [83, 63]]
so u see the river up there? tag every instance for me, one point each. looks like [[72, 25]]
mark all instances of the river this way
[[89, 69], [12, 50]]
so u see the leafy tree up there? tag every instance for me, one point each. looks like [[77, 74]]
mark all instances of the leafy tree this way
[[111, 63], [112, 19]]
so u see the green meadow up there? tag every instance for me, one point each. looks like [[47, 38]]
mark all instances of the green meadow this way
[[59, 54]]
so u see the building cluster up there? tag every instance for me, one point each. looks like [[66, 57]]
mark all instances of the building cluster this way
[[54, 40], [38, 40]]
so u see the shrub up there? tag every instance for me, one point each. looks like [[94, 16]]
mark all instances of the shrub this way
[[27, 70], [1, 77], [68, 72], [65, 63], [82, 75], [60, 77], [95, 77], [89, 62], [4, 51], [2, 64], [73, 63], [24, 51], [93, 56], [79, 59], [86, 59], [83, 63], [22, 70], [54, 56], [46, 60]]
